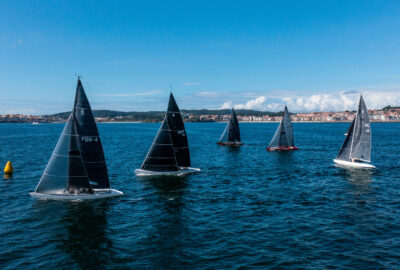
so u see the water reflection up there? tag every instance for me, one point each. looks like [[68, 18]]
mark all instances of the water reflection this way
[[359, 218], [85, 238], [8, 176], [166, 236], [283, 164], [359, 180]]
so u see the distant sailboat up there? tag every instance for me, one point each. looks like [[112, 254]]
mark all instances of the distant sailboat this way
[[356, 148], [231, 134], [77, 168], [169, 154], [283, 139]]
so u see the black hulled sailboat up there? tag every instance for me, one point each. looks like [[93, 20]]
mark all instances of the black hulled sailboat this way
[[356, 148], [77, 167], [283, 139], [169, 154], [231, 134]]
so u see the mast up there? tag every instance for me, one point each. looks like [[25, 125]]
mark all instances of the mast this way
[[352, 135]]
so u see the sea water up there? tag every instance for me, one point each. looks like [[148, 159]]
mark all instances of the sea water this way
[[247, 208]]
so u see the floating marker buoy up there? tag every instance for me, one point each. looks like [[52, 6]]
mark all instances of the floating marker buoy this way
[[8, 169]]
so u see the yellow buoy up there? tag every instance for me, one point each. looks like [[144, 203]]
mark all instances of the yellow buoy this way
[[8, 169]]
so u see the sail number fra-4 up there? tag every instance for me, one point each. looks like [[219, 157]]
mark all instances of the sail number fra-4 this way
[[89, 139]]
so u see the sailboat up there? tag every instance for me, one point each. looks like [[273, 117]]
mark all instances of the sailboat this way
[[77, 169], [283, 139], [356, 148], [169, 154], [231, 134]]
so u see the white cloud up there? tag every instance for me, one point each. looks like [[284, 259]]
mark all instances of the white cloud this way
[[342, 101], [253, 104], [227, 105], [339, 101]]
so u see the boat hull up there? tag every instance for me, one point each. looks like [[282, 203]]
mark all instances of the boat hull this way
[[181, 171], [98, 194], [353, 164], [290, 148], [230, 143]]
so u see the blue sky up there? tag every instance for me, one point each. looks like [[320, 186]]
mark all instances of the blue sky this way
[[310, 55]]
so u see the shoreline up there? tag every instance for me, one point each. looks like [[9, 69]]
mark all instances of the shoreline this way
[[255, 122], [251, 122]]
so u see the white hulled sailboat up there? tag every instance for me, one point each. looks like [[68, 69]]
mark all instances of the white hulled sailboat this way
[[356, 148]]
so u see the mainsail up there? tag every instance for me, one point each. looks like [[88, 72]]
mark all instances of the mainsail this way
[[231, 132], [357, 144], [283, 136], [65, 170], [178, 133], [89, 141], [161, 156]]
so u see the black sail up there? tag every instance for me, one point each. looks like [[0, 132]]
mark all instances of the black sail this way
[[65, 169], [234, 132], [288, 127], [277, 137], [161, 156], [231, 132], [283, 139], [78, 180], [358, 137], [361, 146], [344, 152], [283, 136], [178, 133], [89, 141]]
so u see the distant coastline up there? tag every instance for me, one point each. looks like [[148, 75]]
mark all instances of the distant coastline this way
[[222, 122], [387, 114]]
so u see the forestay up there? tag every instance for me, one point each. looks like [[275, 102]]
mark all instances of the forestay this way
[[178, 133]]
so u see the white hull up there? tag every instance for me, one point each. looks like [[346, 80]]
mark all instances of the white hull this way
[[181, 171], [353, 164], [98, 194]]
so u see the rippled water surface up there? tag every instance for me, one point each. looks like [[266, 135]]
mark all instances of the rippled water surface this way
[[247, 208]]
